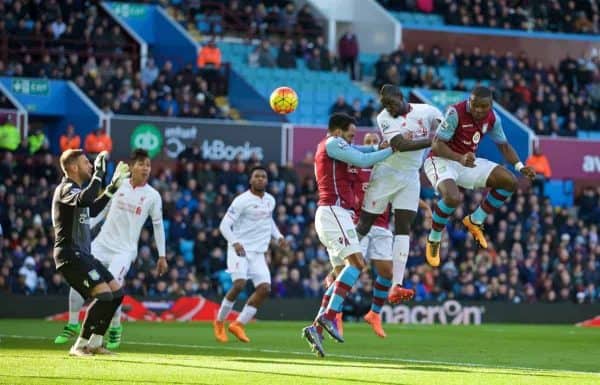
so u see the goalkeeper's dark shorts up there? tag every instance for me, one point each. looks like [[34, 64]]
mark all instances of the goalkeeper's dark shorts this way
[[84, 272]]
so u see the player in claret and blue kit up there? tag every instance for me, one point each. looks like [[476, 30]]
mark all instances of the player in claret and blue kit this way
[[452, 163], [333, 219]]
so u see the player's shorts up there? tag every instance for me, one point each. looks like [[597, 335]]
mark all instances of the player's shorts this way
[[337, 233], [84, 272], [253, 266], [377, 244], [439, 169], [387, 185], [117, 263]]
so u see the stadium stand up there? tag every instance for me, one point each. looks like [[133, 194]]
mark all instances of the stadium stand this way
[[552, 16], [540, 252], [70, 41], [552, 101]]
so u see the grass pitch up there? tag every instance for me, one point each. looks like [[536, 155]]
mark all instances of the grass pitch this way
[[186, 353]]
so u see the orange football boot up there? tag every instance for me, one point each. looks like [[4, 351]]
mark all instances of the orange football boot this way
[[374, 319], [219, 329], [237, 329], [340, 323], [398, 294], [476, 231], [432, 253]]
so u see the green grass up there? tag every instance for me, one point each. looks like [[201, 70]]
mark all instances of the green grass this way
[[186, 353]]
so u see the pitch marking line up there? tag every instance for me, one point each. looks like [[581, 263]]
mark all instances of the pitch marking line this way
[[334, 355]]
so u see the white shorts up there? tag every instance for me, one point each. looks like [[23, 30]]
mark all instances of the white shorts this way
[[253, 266], [439, 169], [387, 185], [117, 263], [337, 233], [377, 245]]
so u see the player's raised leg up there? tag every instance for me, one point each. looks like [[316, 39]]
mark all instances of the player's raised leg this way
[[403, 219], [261, 292], [73, 327], [442, 211], [502, 184]]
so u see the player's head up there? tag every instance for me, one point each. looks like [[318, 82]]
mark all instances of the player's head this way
[[140, 166], [258, 179], [480, 102], [75, 165], [342, 125], [392, 100], [371, 139]]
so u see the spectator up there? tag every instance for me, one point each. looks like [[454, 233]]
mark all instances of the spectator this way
[[348, 53], [70, 140], [286, 57], [262, 56], [209, 56], [540, 164], [341, 106], [9, 134], [149, 73], [38, 142], [29, 275], [98, 141]]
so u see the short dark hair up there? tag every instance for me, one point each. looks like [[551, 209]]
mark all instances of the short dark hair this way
[[482, 92], [69, 157], [340, 120], [139, 154], [388, 90], [257, 168]]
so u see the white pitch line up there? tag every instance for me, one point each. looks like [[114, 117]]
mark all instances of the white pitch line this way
[[334, 355]]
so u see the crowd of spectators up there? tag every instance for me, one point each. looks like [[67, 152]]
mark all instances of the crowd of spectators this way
[[537, 253], [552, 101], [568, 16], [79, 42], [248, 18]]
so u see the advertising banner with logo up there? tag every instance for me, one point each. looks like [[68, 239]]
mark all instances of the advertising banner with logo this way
[[572, 158], [166, 138], [306, 139]]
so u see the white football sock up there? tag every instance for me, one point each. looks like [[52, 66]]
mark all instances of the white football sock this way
[[116, 320], [226, 306], [246, 315], [81, 342], [75, 304], [400, 251], [95, 341]]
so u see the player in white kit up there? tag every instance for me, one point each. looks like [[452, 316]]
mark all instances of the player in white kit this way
[[396, 181], [116, 245], [248, 227]]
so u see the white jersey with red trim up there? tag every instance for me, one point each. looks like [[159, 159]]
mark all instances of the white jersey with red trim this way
[[419, 121], [249, 221], [128, 211]]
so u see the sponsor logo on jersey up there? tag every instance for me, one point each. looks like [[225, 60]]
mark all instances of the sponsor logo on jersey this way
[[385, 125], [476, 137], [138, 210], [94, 275]]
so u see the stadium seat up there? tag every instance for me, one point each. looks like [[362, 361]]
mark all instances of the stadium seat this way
[[186, 248]]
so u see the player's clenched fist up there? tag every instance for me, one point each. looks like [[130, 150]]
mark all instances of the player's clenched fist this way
[[468, 160], [239, 249], [529, 172]]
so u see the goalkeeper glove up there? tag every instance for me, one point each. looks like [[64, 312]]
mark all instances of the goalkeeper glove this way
[[100, 166], [121, 173]]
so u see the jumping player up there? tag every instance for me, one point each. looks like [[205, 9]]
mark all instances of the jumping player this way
[[333, 219], [453, 163], [396, 180], [377, 247]]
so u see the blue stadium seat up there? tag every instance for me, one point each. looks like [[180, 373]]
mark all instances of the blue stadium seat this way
[[186, 248], [561, 193]]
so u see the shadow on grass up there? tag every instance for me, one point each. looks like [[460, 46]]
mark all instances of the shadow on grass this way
[[86, 380], [270, 373], [424, 368]]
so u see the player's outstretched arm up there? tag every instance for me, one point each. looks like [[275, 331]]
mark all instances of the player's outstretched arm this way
[[399, 143], [511, 156], [339, 149]]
